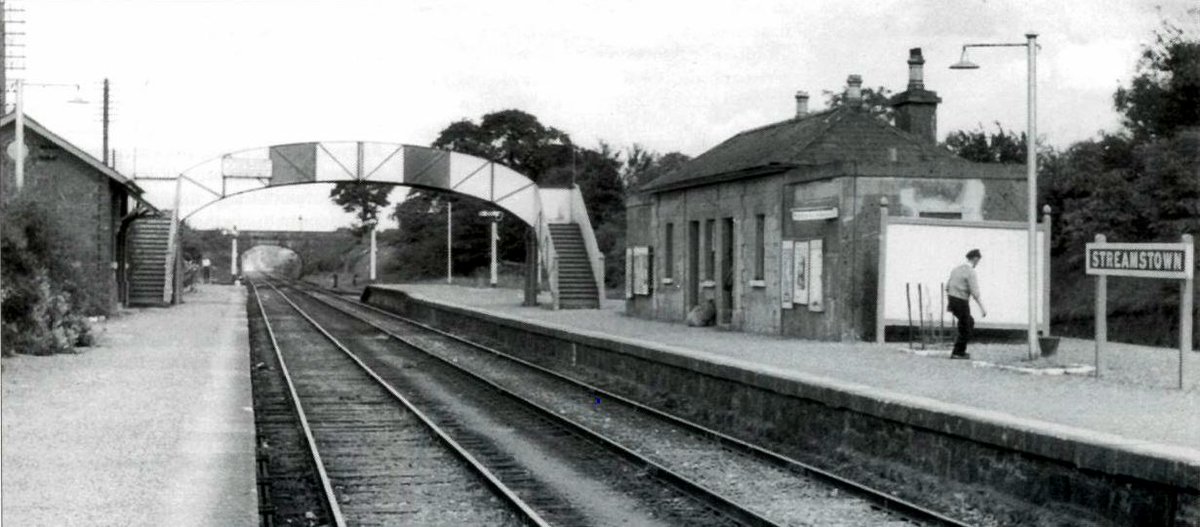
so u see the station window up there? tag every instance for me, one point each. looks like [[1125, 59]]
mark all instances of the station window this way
[[669, 252], [941, 215], [760, 246]]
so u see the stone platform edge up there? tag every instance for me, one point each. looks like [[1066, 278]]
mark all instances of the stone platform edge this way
[[1176, 466]]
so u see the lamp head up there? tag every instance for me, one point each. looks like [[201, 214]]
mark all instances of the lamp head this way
[[78, 99], [964, 63]]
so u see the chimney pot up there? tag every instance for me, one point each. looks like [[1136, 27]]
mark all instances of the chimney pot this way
[[801, 104], [916, 69], [916, 107], [854, 91]]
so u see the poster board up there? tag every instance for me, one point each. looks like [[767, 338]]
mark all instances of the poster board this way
[[641, 270], [816, 266], [786, 277], [629, 272], [924, 251], [800, 278]]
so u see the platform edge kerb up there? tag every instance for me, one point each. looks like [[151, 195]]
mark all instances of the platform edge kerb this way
[[1107, 453]]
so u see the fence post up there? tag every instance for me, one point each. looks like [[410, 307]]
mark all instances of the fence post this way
[[1101, 314], [908, 300], [921, 312], [1186, 315]]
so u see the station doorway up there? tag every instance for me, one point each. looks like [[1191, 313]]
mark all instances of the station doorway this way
[[725, 298], [693, 274]]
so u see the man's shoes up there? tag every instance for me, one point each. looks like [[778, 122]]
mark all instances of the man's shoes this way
[[960, 355]]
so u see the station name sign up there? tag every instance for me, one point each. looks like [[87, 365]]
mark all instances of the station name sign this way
[[811, 214], [1146, 260]]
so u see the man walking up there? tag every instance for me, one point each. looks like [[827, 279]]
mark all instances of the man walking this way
[[962, 285]]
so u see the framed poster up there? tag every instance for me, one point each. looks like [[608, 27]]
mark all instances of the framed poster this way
[[786, 255], [628, 272], [816, 290], [800, 271], [641, 270]]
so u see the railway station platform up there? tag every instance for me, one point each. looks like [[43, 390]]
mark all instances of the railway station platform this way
[[1132, 422], [152, 426]]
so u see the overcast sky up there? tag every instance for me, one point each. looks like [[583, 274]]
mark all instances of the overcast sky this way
[[193, 80]]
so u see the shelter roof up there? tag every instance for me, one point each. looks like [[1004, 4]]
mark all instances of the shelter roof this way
[[839, 135], [31, 124]]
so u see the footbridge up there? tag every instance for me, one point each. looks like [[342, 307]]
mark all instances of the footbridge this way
[[565, 257]]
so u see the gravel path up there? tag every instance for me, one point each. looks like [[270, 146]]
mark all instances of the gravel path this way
[[1132, 400], [151, 427]]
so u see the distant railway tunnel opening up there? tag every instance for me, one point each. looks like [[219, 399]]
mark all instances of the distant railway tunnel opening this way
[[271, 259]]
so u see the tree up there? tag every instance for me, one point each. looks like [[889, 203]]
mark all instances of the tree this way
[[420, 243], [547, 156], [1137, 185], [364, 199], [1001, 146], [875, 100], [643, 166], [1164, 96], [512, 137]]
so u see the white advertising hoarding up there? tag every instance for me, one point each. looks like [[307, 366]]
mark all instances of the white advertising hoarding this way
[[925, 253]]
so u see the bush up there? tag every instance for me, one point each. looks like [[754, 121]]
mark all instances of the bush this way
[[41, 296]]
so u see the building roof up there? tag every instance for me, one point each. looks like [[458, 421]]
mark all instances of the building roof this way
[[832, 136], [31, 124]]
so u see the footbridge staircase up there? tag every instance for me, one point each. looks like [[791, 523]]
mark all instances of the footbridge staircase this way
[[153, 263], [570, 259]]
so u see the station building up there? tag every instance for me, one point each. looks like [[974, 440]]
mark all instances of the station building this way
[[803, 194], [95, 203]]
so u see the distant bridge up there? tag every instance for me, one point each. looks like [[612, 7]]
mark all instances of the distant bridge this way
[[306, 244]]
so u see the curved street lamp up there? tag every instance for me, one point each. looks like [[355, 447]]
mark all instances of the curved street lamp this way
[[19, 150], [1030, 166]]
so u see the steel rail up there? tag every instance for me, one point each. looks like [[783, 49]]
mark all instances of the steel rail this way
[[524, 510], [880, 499], [713, 499], [335, 511]]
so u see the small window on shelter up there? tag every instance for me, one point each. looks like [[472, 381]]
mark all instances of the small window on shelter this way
[[941, 215]]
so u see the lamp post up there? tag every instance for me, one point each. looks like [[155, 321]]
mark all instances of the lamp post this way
[[1030, 46], [371, 274], [449, 243], [18, 152], [233, 253], [493, 217]]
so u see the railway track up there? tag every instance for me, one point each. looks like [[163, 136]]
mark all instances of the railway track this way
[[378, 459], [561, 475], [744, 482]]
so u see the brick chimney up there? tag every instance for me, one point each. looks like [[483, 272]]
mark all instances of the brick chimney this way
[[916, 107], [854, 91], [801, 104]]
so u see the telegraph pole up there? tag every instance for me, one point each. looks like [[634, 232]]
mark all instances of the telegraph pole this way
[[3, 59], [105, 122]]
